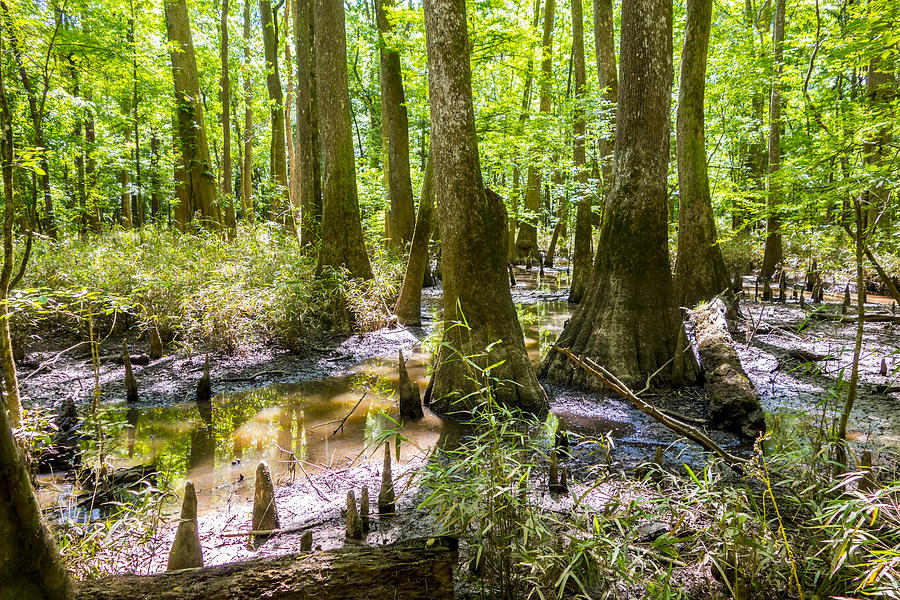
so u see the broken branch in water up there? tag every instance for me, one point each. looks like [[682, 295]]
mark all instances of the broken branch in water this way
[[344, 420], [692, 433]]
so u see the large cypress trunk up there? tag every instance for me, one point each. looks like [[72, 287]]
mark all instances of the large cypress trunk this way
[[581, 263], [30, 568], [700, 271], [628, 321], [280, 209], [473, 237], [396, 125], [342, 236], [774, 251], [199, 182]]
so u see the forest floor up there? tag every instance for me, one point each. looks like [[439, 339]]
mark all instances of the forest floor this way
[[611, 439]]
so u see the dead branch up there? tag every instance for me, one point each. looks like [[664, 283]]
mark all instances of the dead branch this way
[[692, 433]]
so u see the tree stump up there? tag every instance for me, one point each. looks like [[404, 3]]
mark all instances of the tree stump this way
[[131, 389], [386, 500], [156, 345], [187, 552], [204, 385], [265, 512], [410, 398], [354, 525]]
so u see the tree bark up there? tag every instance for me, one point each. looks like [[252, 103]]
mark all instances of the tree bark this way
[[12, 402], [582, 251], [247, 165], [225, 86], [881, 93], [200, 185], [774, 252], [420, 568], [700, 271], [306, 140], [607, 80], [280, 209], [343, 244], [396, 125], [523, 119], [31, 568], [90, 166], [526, 242], [409, 303], [628, 321], [473, 238]]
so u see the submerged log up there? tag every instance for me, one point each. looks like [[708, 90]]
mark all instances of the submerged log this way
[[733, 403], [420, 568], [410, 397]]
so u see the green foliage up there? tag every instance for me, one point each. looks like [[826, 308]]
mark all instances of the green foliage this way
[[200, 289]]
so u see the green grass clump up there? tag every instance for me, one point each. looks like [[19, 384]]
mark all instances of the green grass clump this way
[[201, 289]]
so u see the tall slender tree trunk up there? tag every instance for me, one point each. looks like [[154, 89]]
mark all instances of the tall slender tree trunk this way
[[225, 93], [774, 252], [473, 227], [396, 125], [126, 218], [137, 195], [78, 134], [523, 119], [247, 164], [154, 179], [90, 166], [289, 5], [881, 93], [280, 208], [12, 403], [409, 303], [199, 183], [343, 244], [583, 251], [306, 144], [526, 242], [700, 271], [36, 113], [628, 320], [608, 81]]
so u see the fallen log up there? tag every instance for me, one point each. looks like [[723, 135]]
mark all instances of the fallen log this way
[[733, 403], [420, 568]]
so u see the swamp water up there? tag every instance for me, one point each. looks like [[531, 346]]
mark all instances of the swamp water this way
[[330, 425]]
